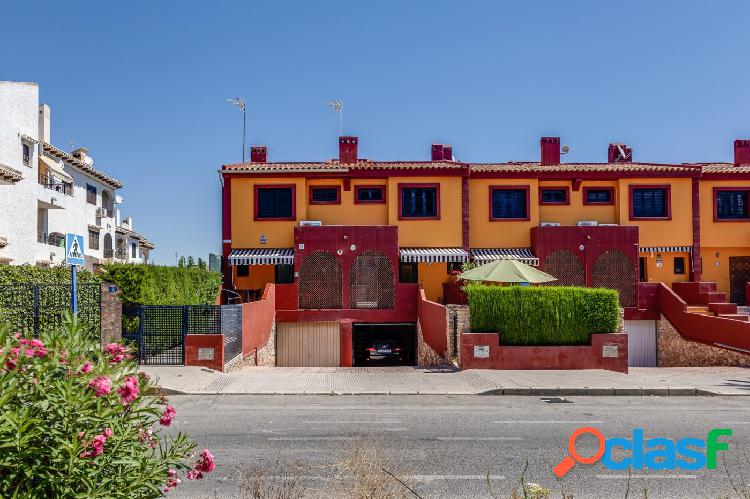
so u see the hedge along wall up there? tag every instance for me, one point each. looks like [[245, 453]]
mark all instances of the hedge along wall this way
[[32, 274], [158, 285], [526, 315]]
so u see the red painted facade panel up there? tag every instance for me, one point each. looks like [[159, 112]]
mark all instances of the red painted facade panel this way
[[193, 342], [433, 318], [257, 321]]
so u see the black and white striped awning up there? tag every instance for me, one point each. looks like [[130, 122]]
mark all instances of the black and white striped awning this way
[[486, 255], [428, 255], [667, 249], [262, 256]]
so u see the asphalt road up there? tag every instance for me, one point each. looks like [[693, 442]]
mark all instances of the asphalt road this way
[[447, 446]]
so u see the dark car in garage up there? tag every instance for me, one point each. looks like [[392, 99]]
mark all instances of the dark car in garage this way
[[384, 352]]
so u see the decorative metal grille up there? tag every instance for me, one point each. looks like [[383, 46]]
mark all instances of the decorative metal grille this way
[[161, 334], [231, 328], [371, 282], [33, 308], [739, 274], [613, 269], [566, 267], [320, 282]]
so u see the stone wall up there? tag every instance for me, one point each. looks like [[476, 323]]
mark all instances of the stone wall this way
[[463, 325], [111, 317], [675, 351], [426, 356], [266, 355]]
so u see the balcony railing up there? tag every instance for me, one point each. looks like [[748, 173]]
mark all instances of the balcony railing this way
[[108, 253], [56, 185], [53, 239], [121, 254]]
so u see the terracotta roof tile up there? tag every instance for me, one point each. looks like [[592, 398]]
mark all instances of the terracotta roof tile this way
[[335, 166], [77, 163], [580, 167], [724, 168]]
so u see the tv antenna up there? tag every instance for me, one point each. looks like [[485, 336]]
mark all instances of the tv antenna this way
[[337, 106]]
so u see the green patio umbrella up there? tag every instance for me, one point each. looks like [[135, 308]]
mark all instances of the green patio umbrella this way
[[506, 271]]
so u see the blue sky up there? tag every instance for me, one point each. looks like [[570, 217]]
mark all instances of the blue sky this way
[[144, 84]]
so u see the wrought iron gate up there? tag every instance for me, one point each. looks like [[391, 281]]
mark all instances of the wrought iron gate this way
[[739, 274], [231, 328]]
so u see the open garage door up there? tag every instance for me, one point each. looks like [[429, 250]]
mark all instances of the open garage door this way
[[384, 344], [308, 344]]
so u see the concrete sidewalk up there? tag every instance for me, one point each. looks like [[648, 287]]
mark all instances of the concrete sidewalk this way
[[448, 381]]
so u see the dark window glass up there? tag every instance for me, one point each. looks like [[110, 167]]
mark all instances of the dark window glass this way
[[133, 249], [642, 276], [26, 154], [554, 195], [408, 272], [509, 203], [93, 240], [455, 267], [325, 195], [419, 202], [243, 270], [731, 205], [370, 194], [284, 274], [90, 194], [275, 202], [679, 265], [603, 196], [649, 203]]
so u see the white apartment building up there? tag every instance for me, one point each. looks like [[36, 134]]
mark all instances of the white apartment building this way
[[46, 192]]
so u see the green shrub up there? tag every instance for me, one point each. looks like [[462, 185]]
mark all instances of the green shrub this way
[[159, 285], [79, 422], [542, 315], [32, 274]]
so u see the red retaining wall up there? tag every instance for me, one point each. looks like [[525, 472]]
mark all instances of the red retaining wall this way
[[257, 321], [213, 341], [544, 357], [433, 318]]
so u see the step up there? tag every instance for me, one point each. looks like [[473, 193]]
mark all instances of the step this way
[[723, 308], [736, 317], [713, 297], [699, 309], [707, 287]]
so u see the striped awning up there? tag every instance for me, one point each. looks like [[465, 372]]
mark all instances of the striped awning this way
[[666, 249], [485, 255], [262, 256], [428, 255]]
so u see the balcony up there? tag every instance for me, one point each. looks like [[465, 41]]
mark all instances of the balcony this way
[[52, 239], [57, 185], [121, 254]]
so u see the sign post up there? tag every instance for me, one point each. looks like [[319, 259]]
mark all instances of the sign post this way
[[74, 258]]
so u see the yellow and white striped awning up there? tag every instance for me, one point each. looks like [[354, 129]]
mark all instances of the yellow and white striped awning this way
[[262, 256], [431, 255], [486, 255]]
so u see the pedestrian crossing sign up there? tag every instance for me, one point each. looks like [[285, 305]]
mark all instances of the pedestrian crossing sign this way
[[74, 249]]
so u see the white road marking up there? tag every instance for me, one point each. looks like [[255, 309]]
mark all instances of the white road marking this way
[[734, 422], [562, 421], [625, 477], [358, 421], [416, 478], [479, 438], [293, 439]]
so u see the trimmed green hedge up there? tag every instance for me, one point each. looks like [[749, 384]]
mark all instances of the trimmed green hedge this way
[[159, 285], [551, 315], [32, 274]]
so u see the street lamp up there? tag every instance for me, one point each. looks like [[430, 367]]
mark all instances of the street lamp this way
[[242, 105]]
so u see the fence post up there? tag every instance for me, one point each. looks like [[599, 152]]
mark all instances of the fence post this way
[[141, 353], [36, 310], [185, 328]]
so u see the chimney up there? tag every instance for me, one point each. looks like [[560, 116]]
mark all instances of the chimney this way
[[44, 123], [442, 152], [348, 149], [741, 152], [619, 153], [258, 154], [82, 154], [550, 150]]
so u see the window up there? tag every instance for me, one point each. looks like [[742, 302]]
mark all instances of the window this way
[[598, 195], [419, 201], [408, 272], [243, 270], [553, 195], [650, 202], [325, 195], [133, 250], [679, 265], [275, 202], [731, 204], [91, 194], [509, 203], [93, 239], [284, 274], [369, 194], [26, 150], [455, 268]]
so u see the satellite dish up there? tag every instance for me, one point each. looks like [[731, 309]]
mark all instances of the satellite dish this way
[[565, 149]]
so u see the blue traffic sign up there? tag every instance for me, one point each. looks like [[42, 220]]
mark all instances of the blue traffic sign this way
[[74, 249]]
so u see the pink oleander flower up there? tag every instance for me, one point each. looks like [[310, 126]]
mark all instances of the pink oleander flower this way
[[205, 464], [129, 390], [86, 368], [173, 481], [107, 432], [102, 385], [168, 415], [96, 446], [17, 335], [116, 352]]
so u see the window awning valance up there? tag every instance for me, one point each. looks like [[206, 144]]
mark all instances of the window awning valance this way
[[486, 255], [430, 255], [55, 169], [666, 249], [262, 256]]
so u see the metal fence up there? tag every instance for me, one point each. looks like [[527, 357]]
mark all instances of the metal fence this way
[[231, 328], [34, 308]]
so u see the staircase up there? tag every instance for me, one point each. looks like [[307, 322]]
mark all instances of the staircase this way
[[702, 298]]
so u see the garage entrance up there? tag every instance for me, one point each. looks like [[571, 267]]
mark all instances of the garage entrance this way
[[308, 344], [384, 344]]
